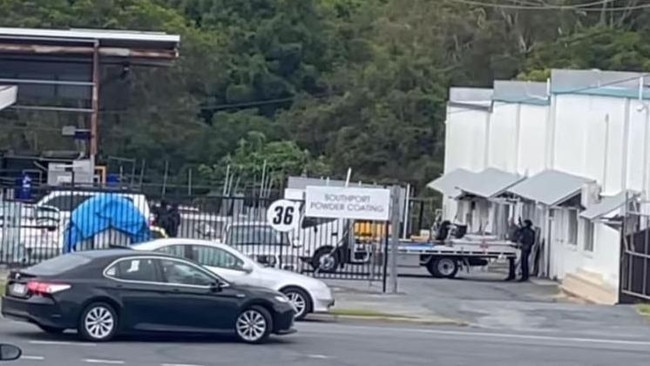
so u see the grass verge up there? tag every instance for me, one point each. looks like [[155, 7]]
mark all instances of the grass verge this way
[[379, 316], [367, 313], [644, 309]]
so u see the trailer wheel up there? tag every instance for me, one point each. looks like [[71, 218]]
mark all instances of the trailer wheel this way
[[444, 267], [430, 266], [325, 260]]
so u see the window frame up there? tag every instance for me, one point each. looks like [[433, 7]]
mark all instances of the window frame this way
[[572, 213], [588, 235], [192, 254], [187, 252], [192, 265], [159, 272]]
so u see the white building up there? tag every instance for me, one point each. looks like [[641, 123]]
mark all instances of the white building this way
[[576, 151]]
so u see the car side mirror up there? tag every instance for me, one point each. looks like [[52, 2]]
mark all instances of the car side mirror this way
[[246, 267], [9, 352], [216, 286]]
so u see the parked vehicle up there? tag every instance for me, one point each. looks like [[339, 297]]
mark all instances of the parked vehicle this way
[[102, 293], [264, 244], [308, 295]]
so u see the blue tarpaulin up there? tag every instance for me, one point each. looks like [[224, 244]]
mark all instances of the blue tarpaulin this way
[[103, 212]]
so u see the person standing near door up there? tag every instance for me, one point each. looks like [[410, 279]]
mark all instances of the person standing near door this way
[[526, 239]]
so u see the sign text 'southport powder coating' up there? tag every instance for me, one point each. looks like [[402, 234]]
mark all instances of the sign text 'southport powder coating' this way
[[350, 203]]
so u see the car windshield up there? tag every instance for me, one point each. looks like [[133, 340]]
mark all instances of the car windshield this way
[[57, 265]]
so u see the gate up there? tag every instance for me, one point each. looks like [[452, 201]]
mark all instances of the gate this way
[[635, 258], [319, 247]]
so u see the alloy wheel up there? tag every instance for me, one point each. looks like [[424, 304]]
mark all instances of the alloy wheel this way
[[298, 302], [251, 326], [99, 322]]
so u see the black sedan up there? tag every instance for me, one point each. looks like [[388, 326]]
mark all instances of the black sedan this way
[[102, 293]]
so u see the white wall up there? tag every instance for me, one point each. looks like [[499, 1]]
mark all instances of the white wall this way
[[465, 139], [602, 138], [503, 136], [533, 126], [465, 148]]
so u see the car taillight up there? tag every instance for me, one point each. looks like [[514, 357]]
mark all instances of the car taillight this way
[[42, 288]]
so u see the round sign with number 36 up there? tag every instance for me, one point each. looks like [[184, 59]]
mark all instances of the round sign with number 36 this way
[[283, 215]]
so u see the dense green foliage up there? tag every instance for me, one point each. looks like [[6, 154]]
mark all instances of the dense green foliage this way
[[317, 86]]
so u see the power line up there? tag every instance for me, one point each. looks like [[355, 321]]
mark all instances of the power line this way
[[588, 7]]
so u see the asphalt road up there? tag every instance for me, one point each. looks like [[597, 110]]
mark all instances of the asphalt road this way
[[336, 344]]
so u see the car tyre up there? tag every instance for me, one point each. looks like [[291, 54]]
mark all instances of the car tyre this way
[[51, 330], [325, 260], [445, 267], [300, 300], [98, 322], [254, 325]]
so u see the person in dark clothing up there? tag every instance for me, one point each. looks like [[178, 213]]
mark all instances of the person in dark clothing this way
[[159, 212], [174, 221], [526, 239]]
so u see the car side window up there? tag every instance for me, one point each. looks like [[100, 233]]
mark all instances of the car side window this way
[[133, 269], [175, 250], [216, 257], [181, 273], [67, 202]]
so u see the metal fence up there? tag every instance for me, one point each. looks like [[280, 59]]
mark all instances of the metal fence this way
[[52, 221], [635, 257]]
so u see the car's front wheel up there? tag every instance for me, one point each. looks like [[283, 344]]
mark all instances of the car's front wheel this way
[[300, 300], [254, 325], [98, 322]]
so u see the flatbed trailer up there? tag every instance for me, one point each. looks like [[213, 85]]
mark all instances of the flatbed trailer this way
[[443, 259]]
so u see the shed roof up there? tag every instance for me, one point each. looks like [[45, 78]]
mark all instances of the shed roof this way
[[550, 187], [607, 205], [489, 183], [448, 183]]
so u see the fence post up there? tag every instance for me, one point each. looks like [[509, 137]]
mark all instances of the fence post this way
[[394, 235]]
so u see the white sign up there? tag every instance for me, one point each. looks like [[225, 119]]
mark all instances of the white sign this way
[[371, 204], [283, 215]]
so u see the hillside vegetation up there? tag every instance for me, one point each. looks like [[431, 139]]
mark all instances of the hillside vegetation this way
[[318, 86]]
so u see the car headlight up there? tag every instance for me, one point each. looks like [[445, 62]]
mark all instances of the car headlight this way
[[282, 298]]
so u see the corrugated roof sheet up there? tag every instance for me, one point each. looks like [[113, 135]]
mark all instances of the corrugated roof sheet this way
[[524, 92], [448, 183], [607, 205], [489, 183], [550, 187]]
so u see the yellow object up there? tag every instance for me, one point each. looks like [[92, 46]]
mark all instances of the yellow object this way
[[157, 232], [370, 229]]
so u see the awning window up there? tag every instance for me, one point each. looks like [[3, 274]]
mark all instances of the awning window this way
[[550, 187]]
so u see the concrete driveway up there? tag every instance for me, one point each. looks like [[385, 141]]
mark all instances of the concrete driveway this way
[[484, 300]]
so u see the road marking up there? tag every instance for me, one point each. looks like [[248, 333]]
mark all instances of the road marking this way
[[109, 362], [387, 330], [32, 358], [320, 357], [57, 343]]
